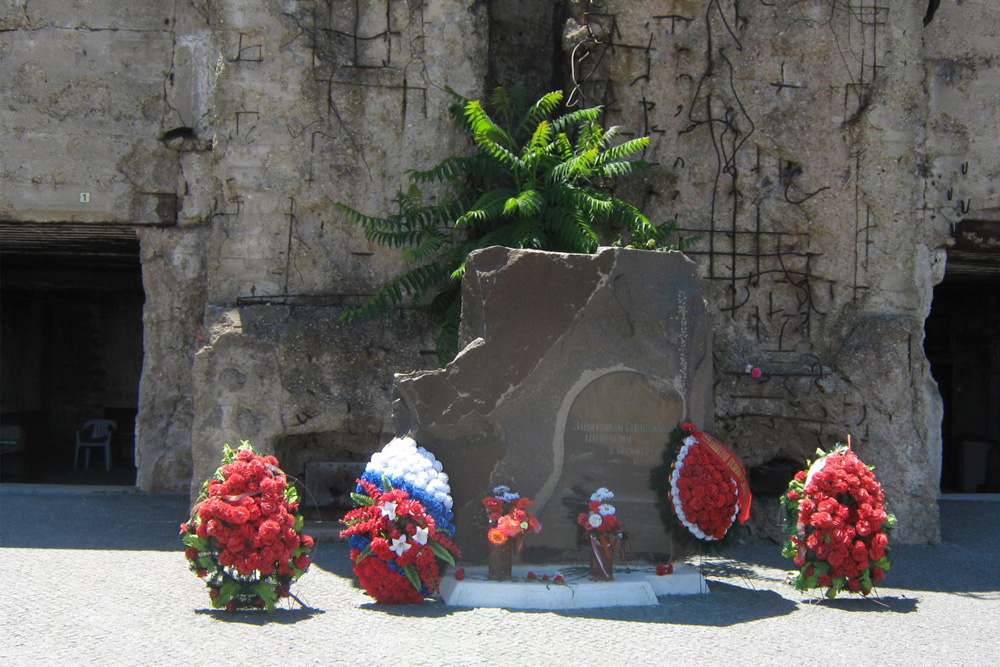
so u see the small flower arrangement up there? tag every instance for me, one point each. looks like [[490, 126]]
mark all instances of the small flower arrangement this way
[[605, 532], [509, 517], [837, 524], [400, 533], [601, 516], [243, 537]]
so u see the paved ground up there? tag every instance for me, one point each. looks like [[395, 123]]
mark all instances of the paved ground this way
[[100, 579]]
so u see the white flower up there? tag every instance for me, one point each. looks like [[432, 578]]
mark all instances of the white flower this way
[[595, 520], [420, 537], [601, 495], [388, 510], [399, 545], [605, 509]]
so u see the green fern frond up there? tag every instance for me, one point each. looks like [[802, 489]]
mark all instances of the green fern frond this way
[[619, 169], [576, 118], [541, 110], [624, 150], [430, 245], [542, 136], [447, 170]]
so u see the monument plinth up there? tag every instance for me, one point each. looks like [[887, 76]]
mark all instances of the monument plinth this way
[[574, 370]]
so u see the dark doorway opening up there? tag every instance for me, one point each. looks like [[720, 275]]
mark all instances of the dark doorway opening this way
[[963, 346], [71, 302]]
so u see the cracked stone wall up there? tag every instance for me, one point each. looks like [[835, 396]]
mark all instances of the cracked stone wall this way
[[807, 146], [820, 150]]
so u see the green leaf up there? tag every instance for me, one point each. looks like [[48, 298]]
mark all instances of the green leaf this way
[[300, 521], [411, 574], [195, 542], [362, 499], [266, 592], [442, 553], [866, 580], [206, 562], [364, 554], [227, 591], [386, 484]]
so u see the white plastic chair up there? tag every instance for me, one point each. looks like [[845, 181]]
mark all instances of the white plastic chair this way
[[94, 433]]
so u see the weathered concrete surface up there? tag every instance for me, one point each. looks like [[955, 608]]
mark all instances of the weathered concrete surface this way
[[809, 146], [820, 150], [126, 548], [541, 329], [296, 383]]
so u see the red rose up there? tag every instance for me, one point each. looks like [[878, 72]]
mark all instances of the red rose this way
[[302, 562], [460, 574], [191, 553], [878, 574], [558, 577], [532, 576]]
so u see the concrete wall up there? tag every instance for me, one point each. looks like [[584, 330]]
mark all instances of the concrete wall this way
[[820, 151]]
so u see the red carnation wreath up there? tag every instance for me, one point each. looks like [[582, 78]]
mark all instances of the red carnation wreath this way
[[838, 528], [708, 485], [243, 537]]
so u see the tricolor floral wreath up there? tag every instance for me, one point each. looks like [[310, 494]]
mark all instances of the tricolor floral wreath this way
[[400, 533], [837, 525], [702, 485], [243, 537]]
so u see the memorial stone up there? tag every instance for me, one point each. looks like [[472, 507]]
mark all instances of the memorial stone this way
[[574, 370]]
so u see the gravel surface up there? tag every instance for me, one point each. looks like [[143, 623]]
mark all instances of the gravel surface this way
[[98, 577]]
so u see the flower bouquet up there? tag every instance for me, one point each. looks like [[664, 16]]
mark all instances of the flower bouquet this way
[[605, 532], [509, 522], [702, 485], [837, 525], [243, 537], [400, 531]]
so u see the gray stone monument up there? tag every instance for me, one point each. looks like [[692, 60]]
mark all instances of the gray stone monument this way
[[574, 370]]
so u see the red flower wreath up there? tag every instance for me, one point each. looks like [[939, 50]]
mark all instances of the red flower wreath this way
[[243, 536], [837, 524], [708, 486]]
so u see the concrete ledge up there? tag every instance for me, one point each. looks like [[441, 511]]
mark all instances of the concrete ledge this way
[[632, 587]]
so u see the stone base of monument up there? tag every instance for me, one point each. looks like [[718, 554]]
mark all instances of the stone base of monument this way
[[632, 587]]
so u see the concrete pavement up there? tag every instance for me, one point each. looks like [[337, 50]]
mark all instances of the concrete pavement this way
[[98, 577]]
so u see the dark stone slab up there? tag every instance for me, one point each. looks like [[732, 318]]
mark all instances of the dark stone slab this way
[[574, 371]]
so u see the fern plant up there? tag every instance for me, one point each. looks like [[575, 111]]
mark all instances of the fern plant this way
[[538, 181]]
